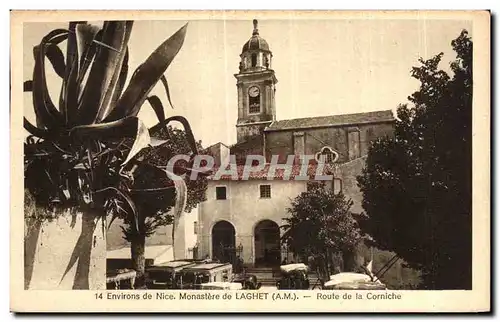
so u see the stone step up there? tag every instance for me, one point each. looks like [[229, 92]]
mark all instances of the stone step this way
[[268, 283]]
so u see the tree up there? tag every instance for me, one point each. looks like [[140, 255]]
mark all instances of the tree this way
[[154, 197], [81, 154], [417, 185], [320, 225]]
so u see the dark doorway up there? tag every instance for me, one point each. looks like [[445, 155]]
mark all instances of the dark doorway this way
[[267, 244], [223, 242]]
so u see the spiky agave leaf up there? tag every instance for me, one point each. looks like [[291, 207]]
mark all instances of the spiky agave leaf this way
[[133, 213], [187, 128], [122, 77], [131, 127], [142, 140], [114, 90], [71, 56], [102, 74], [164, 81], [88, 37], [47, 114], [56, 58], [95, 71], [157, 106], [146, 76], [85, 35]]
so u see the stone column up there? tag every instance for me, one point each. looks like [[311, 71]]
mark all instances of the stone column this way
[[241, 112], [268, 100], [299, 143], [247, 243]]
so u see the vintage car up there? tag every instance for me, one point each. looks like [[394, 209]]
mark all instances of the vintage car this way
[[164, 275], [248, 281], [293, 277], [192, 277], [353, 281], [221, 286]]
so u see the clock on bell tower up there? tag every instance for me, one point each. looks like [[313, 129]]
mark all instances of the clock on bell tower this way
[[256, 83]]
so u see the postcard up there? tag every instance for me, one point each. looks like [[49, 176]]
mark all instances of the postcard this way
[[250, 161]]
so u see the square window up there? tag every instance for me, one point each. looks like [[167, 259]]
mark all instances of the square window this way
[[265, 191], [220, 193]]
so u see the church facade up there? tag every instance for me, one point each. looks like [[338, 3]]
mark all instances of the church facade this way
[[243, 217]]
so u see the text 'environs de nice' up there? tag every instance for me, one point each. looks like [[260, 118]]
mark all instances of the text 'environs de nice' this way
[[340, 296]]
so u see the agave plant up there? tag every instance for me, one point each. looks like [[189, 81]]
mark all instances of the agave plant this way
[[83, 152]]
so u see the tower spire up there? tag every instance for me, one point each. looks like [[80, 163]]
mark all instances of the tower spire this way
[[255, 29]]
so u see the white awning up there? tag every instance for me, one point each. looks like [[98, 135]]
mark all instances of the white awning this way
[[348, 277], [293, 267]]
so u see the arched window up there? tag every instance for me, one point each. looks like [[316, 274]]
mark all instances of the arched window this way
[[254, 60], [327, 155], [254, 100]]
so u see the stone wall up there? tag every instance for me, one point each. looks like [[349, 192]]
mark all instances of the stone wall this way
[[347, 174], [64, 253], [285, 142], [245, 132]]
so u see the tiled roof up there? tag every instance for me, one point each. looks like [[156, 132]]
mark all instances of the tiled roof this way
[[250, 143], [278, 174], [332, 120], [253, 145]]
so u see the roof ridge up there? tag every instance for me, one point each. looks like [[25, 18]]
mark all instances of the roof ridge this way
[[353, 160], [249, 139], [208, 147], [332, 115], [333, 120]]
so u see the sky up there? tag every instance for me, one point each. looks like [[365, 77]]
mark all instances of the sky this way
[[323, 67]]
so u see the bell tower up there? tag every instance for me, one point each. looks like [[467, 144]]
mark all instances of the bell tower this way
[[256, 84]]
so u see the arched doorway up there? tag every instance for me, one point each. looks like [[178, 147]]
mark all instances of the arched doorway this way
[[223, 242], [267, 244]]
